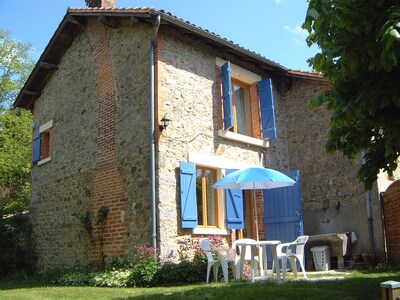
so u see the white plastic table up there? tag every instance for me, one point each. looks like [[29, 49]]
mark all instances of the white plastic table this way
[[262, 245]]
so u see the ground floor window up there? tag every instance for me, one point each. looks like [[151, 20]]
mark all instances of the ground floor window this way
[[207, 206], [204, 207]]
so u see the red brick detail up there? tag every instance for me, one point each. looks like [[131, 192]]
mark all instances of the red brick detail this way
[[260, 214], [218, 96], [101, 3], [46, 148], [109, 188], [391, 211], [255, 111], [51, 141]]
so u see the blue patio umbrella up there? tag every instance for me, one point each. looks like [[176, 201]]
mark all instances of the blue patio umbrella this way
[[254, 179]]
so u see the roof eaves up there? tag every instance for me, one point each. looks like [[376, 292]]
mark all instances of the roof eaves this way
[[112, 12], [306, 75], [20, 102], [216, 38], [26, 97]]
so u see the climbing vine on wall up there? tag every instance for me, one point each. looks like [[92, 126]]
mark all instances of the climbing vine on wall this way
[[86, 220]]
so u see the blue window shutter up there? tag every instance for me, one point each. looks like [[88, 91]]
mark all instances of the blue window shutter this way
[[268, 126], [188, 195], [227, 95], [37, 144], [234, 208]]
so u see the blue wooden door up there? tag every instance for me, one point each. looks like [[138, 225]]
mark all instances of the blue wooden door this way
[[283, 213]]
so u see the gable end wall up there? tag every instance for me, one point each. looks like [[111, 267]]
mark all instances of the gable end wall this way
[[100, 153]]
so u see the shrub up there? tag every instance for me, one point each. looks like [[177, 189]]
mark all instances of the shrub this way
[[184, 272], [111, 278], [145, 270], [16, 250], [119, 263], [75, 278]]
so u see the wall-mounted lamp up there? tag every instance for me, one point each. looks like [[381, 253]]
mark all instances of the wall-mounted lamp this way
[[165, 122]]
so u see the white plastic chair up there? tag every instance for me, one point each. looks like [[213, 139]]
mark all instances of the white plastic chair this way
[[220, 260], [247, 255], [292, 251]]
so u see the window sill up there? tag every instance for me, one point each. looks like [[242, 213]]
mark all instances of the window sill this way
[[226, 134], [43, 161], [202, 230]]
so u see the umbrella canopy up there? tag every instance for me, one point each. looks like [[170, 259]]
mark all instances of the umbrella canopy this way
[[254, 179]]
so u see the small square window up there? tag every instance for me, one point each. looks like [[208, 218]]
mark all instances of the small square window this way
[[43, 144]]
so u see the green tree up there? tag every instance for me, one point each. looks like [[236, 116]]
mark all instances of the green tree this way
[[15, 67], [359, 45], [15, 152], [15, 132]]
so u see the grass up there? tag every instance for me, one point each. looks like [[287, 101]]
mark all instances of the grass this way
[[357, 285]]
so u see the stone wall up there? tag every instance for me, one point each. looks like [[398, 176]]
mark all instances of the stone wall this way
[[333, 198], [101, 151], [62, 187], [71, 184], [187, 91], [129, 46]]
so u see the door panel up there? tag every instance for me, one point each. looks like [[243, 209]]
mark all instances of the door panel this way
[[283, 213]]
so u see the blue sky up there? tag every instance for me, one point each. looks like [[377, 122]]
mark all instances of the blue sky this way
[[268, 27]]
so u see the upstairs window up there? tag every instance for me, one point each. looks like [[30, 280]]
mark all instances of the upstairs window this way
[[43, 144], [248, 109], [241, 108]]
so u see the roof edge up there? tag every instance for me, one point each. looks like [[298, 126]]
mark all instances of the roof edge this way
[[29, 93], [306, 75], [216, 38]]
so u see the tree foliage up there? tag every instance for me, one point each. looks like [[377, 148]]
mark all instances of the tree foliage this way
[[15, 132], [15, 66], [359, 54], [15, 152]]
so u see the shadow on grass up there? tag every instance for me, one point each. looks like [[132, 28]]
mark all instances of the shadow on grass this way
[[350, 288], [26, 280], [357, 286]]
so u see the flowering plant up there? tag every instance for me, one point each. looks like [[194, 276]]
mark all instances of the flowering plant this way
[[145, 270], [216, 240], [146, 252], [247, 270]]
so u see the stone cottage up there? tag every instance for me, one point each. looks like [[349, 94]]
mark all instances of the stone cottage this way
[[137, 113]]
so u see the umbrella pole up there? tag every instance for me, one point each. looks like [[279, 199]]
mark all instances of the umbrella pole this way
[[255, 209]]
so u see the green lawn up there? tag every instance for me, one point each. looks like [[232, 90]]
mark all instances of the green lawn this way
[[355, 286]]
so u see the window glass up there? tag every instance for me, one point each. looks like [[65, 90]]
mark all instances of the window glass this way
[[206, 197], [241, 107], [199, 196], [210, 198]]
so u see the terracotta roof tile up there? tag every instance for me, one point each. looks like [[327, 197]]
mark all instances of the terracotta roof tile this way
[[306, 74], [56, 47], [169, 14]]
